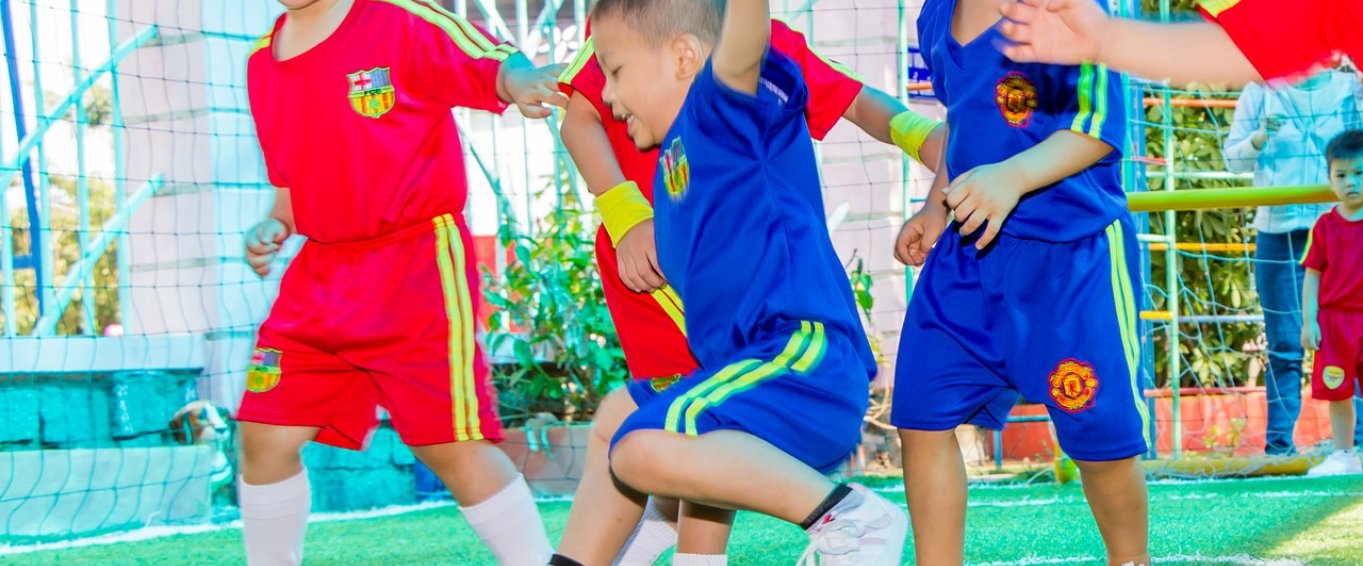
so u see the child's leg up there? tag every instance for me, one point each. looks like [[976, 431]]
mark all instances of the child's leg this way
[[274, 493], [1116, 493], [1342, 423], [703, 530], [724, 468], [602, 515], [935, 488], [493, 497]]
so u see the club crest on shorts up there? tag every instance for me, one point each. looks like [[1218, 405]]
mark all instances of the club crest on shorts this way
[[660, 383], [676, 172], [1333, 377], [1017, 100], [1073, 385], [371, 92], [263, 373]]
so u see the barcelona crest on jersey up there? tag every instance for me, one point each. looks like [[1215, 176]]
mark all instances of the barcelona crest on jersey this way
[[676, 172], [371, 92]]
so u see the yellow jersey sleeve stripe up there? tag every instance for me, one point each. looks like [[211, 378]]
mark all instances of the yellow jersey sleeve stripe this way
[[584, 56], [1100, 103], [1085, 94], [451, 26], [261, 43]]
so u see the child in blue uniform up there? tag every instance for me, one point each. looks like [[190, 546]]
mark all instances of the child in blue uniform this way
[[1031, 290], [741, 237]]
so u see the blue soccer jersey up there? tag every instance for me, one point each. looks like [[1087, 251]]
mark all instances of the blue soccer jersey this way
[[997, 108], [769, 311], [740, 220]]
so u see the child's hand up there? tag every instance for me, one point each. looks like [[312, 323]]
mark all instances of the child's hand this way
[[1266, 132], [262, 244], [1064, 32], [984, 194], [1310, 335], [919, 234], [530, 89], [637, 256]]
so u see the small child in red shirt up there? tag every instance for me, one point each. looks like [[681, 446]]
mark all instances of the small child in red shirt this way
[[352, 102], [1332, 302]]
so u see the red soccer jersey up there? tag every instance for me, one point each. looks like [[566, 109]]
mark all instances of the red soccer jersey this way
[[1336, 250], [359, 127], [832, 88], [1287, 38]]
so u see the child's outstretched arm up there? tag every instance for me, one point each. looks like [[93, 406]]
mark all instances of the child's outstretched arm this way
[[519, 82], [624, 211], [737, 58], [886, 119], [990, 192], [1069, 32]]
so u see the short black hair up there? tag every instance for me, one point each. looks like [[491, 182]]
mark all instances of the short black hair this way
[[660, 20], [1348, 145]]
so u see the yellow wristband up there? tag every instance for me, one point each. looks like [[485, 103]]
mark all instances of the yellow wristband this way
[[622, 208], [910, 130]]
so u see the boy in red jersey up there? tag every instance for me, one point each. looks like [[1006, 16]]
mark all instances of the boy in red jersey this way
[[351, 101], [1251, 40], [1332, 302], [647, 313]]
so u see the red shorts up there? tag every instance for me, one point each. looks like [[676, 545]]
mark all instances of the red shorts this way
[[649, 324], [384, 323], [1339, 362]]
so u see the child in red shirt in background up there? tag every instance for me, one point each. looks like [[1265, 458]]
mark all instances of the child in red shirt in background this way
[[1332, 302], [352, 104], [1251, 40]]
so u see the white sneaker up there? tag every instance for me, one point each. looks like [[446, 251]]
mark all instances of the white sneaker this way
[[1338, 463], [866, 533]]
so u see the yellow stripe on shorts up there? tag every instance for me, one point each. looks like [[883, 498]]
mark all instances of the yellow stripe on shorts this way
[[459, 308], [1124, 299]]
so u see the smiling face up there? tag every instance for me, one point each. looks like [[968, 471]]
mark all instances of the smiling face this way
[[646, 81], [1346, 180]]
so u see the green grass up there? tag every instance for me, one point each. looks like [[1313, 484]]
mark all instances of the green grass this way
[[1317, 521]]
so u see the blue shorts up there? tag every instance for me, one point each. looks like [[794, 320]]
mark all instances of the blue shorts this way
[[804, 392], [1054, 322]]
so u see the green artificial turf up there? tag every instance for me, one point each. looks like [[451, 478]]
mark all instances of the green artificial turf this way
[[1311, 521]]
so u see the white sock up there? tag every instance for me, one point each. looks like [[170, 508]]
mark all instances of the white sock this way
[[652, 537], [700, 559], [274, 519], [509, 524]]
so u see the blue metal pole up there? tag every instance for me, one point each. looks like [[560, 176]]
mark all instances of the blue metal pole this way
[[21, 128]]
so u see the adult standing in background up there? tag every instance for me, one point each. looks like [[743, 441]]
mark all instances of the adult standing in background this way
[[1279, 133]]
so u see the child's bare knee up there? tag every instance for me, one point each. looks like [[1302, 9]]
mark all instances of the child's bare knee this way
[[636, 459]]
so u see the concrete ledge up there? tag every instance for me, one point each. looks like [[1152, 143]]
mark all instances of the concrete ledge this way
[[26, 356]]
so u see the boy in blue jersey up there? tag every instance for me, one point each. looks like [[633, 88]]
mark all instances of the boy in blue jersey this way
[[1030, 291], [742, 239]]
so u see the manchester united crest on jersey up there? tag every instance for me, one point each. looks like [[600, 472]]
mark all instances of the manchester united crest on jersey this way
[[1016, 97], [371, 92]]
